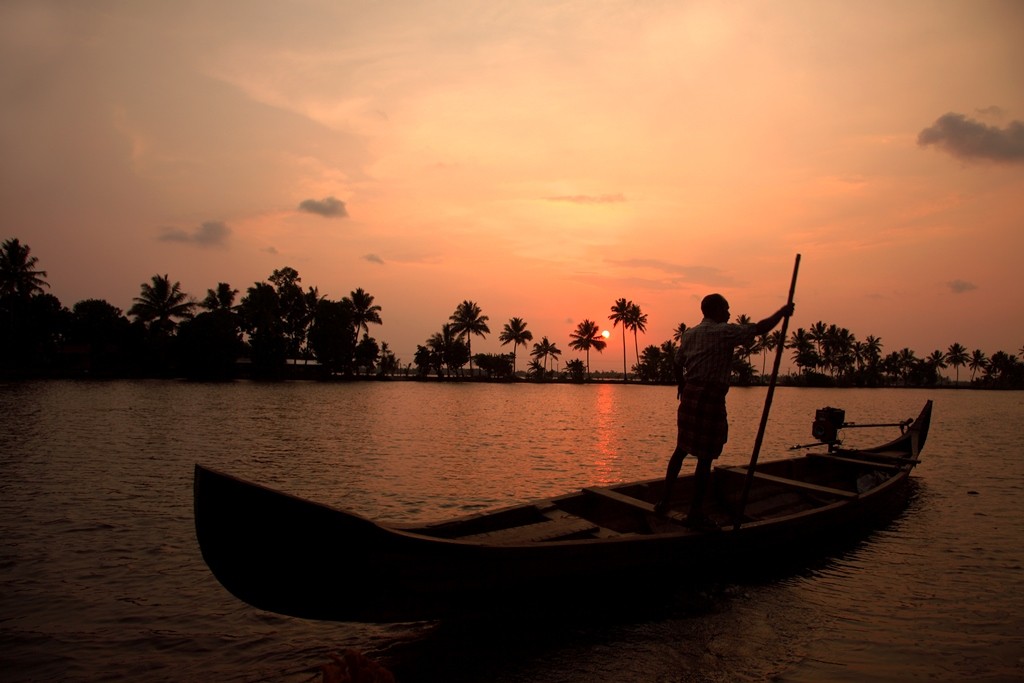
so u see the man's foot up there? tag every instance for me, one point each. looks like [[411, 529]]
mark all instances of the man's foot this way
[[661, 508]]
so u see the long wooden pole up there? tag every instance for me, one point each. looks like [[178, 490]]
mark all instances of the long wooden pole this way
[[767, 405]]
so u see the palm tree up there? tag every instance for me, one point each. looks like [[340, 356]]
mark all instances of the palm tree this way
[[891, 366], [18, 273], [554, 352], [746, 351], [935, 361], [907, 362], [467, 321], [957, 356], [817, 334], [978, 361], [999, 367], [767, 343], [159, 303], [543, 350], [649, 363], [621, 314], [804, 355], [539, 354], [536, 369], [221, 299], [438, 345], [677, 335], [857, 351], [364, 312], [637, 322], [451, 351], [311, 300], [872, 349], [585, 337], [837, 348], [515, 333]]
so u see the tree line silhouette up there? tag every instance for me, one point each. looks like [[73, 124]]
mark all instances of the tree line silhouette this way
[[276, 326]]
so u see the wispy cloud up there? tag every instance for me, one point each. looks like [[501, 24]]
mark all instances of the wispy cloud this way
[[588, 199], [682, 273], [960, 286], [992, 110], [373, 258], [328, 207], [209, 234], [973, 140]]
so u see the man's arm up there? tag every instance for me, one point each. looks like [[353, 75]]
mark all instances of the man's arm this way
[[768, 324]]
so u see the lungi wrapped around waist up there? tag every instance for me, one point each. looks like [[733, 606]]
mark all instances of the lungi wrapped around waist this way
[[702, 420]]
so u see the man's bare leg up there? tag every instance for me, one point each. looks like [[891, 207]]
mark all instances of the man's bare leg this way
[[700, 486], [675, 463]]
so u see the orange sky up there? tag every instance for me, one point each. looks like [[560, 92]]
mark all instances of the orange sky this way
[[541, 159]]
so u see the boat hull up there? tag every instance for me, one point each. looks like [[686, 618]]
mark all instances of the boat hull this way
[[292, 556]]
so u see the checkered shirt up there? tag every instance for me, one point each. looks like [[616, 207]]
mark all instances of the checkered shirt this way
[[706, 350]]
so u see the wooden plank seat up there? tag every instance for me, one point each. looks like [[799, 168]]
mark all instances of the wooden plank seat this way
[[790, 483], [551, 529], [635, 503], [620, 498]]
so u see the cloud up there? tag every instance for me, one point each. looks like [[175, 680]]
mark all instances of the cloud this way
[[972, 140], [329, 207], [705, 275], [960, 286], [992, 111], [373, 258], [209, 234], [588, 199]]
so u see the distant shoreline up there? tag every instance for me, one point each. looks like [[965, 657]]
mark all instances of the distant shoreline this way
[[311, 373]]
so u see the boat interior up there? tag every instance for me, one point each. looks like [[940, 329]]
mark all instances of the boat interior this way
[[778, 489]]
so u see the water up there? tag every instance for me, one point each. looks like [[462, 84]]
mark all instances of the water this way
[[102, 580]]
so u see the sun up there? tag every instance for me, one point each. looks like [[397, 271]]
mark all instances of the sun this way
[[605, 333]]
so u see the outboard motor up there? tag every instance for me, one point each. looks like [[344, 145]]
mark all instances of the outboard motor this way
[[827, 423]]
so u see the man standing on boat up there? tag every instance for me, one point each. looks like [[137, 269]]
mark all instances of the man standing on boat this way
[[705, 355]]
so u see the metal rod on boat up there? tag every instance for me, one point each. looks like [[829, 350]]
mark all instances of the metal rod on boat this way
[[767, 405], [854, 425]]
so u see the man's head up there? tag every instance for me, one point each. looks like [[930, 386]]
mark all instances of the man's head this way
[[716, 307]]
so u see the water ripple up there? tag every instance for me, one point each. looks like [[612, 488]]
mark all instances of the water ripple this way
[[103, 580]]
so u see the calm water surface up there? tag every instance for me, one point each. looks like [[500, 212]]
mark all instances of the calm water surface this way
[[102, 579]]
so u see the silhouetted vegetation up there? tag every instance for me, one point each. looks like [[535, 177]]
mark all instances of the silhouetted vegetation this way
[[166, 333], [278, 329], [830, 356], [586, 336], [515, 333], [543, 351], [632, 318], [466, 322]]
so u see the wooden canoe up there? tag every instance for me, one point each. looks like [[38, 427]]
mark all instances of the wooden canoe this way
[[292, 556]]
